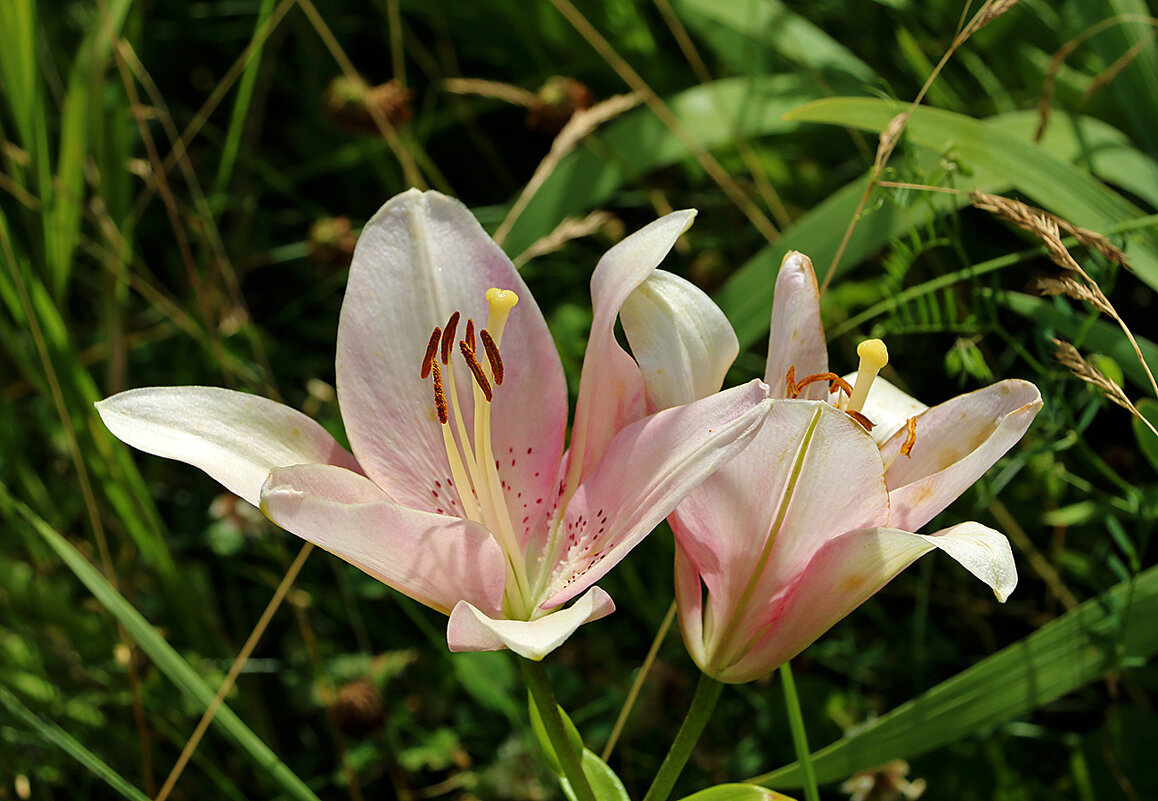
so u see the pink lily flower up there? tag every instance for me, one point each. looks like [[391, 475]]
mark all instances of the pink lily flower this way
[[817, 514], [458, 492]]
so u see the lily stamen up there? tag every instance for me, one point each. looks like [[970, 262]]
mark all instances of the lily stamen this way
[[796, 387], [476, 369], [492, 355], [468, 337], [439, 396], [431, 350], [865, 423], [448, 337], [910, 437]]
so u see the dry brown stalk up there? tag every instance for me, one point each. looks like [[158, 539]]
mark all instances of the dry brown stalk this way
[[1069, 357], [1048, 228], [987, 14], [515, 95], [582, 124], [570, 228]]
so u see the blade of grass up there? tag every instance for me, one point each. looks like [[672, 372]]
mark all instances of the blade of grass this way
[[67, 743], [163, 655]]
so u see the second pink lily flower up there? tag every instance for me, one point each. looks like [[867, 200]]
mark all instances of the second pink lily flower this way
[[817, 514]]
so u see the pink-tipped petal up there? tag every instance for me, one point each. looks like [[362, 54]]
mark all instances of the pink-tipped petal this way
[[848, 571], [611, 389], [680, 338], [435, 559], [649, 468], [235, 437], [957, 441], [810, 474], [420, 258], [797, 336], [469, 629]]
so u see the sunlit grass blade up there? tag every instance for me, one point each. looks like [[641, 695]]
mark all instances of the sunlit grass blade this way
[[67, 743], [1104, 634], [166, 658], [998, 159]]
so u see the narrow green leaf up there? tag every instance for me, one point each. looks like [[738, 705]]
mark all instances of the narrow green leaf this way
[[67, 743], [737, 792], [1101, 336], [998, 159], [1147, 442], [1097, 638], [604, 783], [163, 655]]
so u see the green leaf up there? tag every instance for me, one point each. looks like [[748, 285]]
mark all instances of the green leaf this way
[[998, 159], [604, 783], [163, 655], [67, 743], [1147, 442], [545, 744], [1098, 637], [737, 792], [713, 114]]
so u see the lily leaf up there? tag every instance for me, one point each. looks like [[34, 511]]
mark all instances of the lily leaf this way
[[1147, 442], [1098, 637], [737, 792]]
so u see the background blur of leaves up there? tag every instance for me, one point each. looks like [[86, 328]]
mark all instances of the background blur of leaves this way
[[175, 212]]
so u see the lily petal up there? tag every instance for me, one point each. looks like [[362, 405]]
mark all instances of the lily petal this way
[[435, 559], [797, 335], [785, 484], [472, 630], [647, 470], [611, 389], [849, 570], [235, 437], [420, 258], [680, 338], [957, 441]]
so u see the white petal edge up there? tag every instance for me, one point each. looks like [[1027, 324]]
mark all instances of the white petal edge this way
[[235, 437], [680, 338], [470, 630]]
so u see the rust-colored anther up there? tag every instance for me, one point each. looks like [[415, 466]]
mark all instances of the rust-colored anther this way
[[831, 378], [439, 396], [468, 337], [448, 337], [431, 349], [492, 355], [790, 389], [475, 368], [910, 438], [865, 423]]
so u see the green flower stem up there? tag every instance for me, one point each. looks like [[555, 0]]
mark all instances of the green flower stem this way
[[799, 735], [540, 686], [704, 701]]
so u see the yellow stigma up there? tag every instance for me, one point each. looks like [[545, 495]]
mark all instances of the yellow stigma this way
[[873, 356], [501, 302]]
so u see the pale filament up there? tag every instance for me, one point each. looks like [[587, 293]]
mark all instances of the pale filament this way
[[471, 454]]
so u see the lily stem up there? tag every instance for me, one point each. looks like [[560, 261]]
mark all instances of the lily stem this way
[[703, 702], [544, 697], [799, 735]]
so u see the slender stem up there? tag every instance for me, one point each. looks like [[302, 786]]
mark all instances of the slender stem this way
[[704, 701], [633, 694], [540, 686], [799, 735]]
